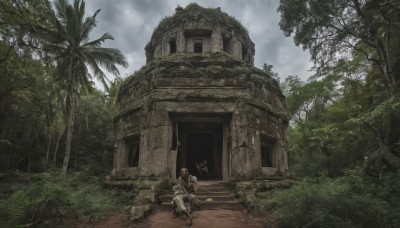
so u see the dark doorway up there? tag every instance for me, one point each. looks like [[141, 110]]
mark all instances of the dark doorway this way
[[132, 150], [199, 142], [199, 149]]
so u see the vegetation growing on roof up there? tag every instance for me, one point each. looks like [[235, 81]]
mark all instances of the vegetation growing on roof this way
[[200, 64], [191, 13]]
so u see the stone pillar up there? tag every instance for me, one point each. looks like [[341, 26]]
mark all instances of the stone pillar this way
[[236, 48], [159, 150], [158, 51], [155, 144], [241, 164], [145, 156], [164, 47], [236, 169], [225, 152], [180, 42], [119, 150], [253, 156], [120, 155], [216, 41], [282, 160]]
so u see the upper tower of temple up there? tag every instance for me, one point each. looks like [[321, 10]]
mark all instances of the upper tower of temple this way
[[195, 30]]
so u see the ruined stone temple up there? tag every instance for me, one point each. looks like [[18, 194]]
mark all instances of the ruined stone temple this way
[[199, 97]]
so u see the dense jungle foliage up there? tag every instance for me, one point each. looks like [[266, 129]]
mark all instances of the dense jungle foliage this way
[[48, 108], [344, 134]]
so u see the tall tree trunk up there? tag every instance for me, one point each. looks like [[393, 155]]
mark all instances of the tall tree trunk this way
[[48, 149], [388, 60], [77, 144], [71, 107], [56, 149], [70, 128], [35, 140]]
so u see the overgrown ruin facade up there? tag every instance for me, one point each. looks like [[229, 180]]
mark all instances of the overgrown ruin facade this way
[[198, 98]]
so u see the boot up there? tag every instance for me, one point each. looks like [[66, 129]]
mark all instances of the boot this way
[[174, 214], [197, 204], [188, 218]]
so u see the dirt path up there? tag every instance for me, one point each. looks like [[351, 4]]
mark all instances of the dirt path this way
[[220, 210], [219, 218]]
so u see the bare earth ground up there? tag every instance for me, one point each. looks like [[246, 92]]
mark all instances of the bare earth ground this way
[[219, 218]]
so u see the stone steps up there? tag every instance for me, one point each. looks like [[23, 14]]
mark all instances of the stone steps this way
[[210, 205], [231, 197], [211, 194]]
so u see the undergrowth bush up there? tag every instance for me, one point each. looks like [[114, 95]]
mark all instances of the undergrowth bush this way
[[48, 199], [349, 201]]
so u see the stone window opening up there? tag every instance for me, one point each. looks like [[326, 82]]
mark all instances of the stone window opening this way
[[172, 46], [225, 45], [198, 46], [244, 52], [267, 152], [133, 155], [133, 149]]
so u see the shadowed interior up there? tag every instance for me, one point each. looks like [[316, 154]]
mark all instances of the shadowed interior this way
[[200, 142]]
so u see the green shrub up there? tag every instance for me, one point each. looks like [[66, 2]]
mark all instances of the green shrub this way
[[342, 202], [46, 199], [32, 202]]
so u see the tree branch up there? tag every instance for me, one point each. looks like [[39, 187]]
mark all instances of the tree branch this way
[[8, 52]]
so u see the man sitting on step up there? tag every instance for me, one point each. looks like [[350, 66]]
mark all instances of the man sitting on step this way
[[184, 197]]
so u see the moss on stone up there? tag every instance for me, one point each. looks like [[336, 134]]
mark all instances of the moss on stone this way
[[215, 63], [193, 12]]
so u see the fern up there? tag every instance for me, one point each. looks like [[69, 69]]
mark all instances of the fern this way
[[343, 202], [44, 199], [15, 209]]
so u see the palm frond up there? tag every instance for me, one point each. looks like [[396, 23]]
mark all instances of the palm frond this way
[[88, 26], [108, 57], [87, 85], [97, 43], [61, 6], [97, 72], [70, 35]]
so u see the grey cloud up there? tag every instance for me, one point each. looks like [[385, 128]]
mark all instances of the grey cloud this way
[[131, 22]]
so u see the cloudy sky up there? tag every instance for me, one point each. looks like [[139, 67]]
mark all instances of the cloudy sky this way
[[131, 23]]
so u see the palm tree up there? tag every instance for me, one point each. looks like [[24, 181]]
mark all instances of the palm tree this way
[[68, 42]]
